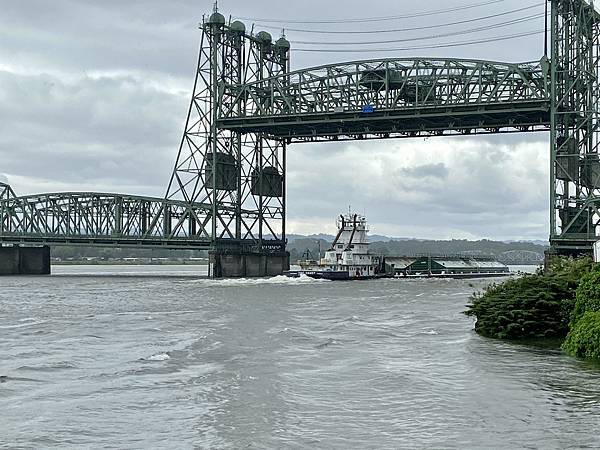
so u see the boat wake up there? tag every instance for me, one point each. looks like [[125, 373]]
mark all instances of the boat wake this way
[[157, 357], [277, 280]]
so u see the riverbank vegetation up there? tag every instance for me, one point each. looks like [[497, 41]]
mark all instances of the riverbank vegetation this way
[[563, 302]]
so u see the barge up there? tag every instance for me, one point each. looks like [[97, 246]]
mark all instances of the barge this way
[[446, 266]]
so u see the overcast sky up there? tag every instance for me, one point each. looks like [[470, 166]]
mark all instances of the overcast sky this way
[[93, 96]]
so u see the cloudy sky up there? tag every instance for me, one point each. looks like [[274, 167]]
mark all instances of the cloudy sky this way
[[93, 96]]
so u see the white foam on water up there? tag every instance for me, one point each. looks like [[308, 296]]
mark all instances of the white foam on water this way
[[276, 280], [157, 357]]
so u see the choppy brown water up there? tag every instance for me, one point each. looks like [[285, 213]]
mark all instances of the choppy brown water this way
[[163, 361]]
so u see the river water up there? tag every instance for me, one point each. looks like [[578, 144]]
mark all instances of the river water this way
[[157, 357]]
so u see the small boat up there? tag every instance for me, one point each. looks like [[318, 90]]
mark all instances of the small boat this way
[[348, 258]]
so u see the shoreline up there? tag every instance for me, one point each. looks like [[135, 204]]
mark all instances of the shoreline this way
[[130, 263]]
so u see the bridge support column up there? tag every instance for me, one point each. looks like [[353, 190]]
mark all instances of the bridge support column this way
[[248, 265], [17, 260]]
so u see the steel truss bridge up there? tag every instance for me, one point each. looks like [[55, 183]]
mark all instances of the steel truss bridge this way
[[521, 257], [228, 187]]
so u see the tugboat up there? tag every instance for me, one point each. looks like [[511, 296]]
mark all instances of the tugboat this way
[[348, 258]]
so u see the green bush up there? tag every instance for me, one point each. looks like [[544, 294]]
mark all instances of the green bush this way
[[533, 306], [584, 338], [587, 297], [569, 268]]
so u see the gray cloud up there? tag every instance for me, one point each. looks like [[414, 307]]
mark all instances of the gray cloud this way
[[454, 188], [105, 129], [438, 170]]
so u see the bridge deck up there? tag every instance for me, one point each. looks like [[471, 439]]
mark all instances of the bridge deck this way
[[496, 118], [392, 98]]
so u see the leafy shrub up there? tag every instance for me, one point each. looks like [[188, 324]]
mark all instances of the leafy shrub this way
[[533, 306], [569, 268], [528, 307], [587, 297], [584, 338]]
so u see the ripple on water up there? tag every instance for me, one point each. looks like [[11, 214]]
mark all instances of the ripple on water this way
[[49, 367], [26, 324]]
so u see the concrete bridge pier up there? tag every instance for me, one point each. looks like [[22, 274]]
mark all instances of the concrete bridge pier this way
[[19, 260], [250, 265]]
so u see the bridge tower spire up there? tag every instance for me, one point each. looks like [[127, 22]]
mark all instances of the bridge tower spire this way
[[240, 177]]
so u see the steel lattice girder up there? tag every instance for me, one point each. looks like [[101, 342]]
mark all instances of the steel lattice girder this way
[[91, 218], [6, 192], [389, 97]]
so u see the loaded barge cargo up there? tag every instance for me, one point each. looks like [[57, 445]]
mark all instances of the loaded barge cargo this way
[[445, 266]]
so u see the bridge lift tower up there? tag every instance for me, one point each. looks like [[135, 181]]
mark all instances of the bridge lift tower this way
[[241, 175], [574, 133]]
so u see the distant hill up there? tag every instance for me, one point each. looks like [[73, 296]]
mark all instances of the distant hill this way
[[326, 237], [299, 244], [410, 247], [535, 241], [383, 238]]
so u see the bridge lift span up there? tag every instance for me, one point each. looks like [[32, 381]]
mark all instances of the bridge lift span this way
[[227, 190]]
